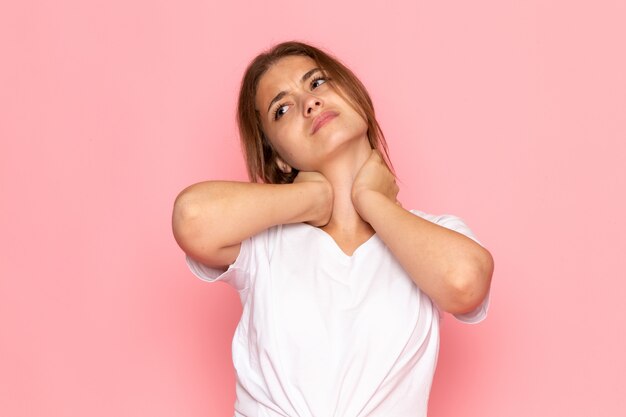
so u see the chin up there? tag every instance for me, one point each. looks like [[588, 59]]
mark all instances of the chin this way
[[343, 141]]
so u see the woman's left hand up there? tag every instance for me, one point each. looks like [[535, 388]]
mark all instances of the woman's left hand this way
[[374, 176]]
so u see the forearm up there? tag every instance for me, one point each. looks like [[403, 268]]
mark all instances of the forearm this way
[[449, 267], [212, 215]]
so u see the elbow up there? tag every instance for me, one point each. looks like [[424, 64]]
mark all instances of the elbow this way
[[470, 284], [185, 215], [196, 228]]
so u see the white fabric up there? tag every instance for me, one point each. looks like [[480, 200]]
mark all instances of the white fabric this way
[[324, 334]]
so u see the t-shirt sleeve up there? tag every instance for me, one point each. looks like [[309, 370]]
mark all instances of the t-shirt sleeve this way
[[236, 275], [457, 224]]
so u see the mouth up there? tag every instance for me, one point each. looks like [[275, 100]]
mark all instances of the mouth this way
[[322, 119]]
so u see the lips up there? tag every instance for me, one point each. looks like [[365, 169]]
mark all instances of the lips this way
[[322, 119]]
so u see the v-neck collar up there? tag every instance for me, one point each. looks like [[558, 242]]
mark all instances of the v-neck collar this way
[[336, 248]]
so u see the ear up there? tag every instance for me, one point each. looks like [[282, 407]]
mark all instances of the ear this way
[[283, 166]]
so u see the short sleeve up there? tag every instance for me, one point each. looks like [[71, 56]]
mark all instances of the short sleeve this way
[[457, 224], [236, 275]]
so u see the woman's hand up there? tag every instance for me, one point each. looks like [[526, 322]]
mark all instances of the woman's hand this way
[[323, 209], [211, 218], [374, 176], [452, 269]]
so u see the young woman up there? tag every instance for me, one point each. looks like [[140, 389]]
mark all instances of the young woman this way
[[342, 288]]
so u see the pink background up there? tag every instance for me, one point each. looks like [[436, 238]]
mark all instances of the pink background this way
[[508, 114]]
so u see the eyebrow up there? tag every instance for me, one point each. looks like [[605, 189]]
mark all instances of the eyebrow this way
[[283, 93]]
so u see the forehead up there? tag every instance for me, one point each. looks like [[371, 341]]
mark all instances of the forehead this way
[[285, 72]]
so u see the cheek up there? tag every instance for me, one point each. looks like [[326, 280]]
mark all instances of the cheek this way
[[357, 123], [282, 143], [285, 139]]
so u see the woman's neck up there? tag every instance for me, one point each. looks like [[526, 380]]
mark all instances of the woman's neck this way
[[341, 172]]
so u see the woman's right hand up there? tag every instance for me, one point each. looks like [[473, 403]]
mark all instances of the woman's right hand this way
[[323, 201], [212, 218]]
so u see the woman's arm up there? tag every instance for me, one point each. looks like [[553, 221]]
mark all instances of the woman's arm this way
[[449, 267], [212, 218]]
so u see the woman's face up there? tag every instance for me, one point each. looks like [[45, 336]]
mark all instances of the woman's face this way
[[303, 116]]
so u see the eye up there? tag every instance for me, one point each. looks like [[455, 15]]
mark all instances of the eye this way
[[317, 81], [280, 110]]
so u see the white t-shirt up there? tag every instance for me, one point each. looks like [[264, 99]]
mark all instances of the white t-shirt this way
[[324, 334]]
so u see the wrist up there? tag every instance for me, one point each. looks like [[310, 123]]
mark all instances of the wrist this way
[[315, 199], [363, 199]]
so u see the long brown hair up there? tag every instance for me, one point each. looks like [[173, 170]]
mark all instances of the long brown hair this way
[[259, 153]]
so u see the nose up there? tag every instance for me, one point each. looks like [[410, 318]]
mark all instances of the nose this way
[[312, 103]]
